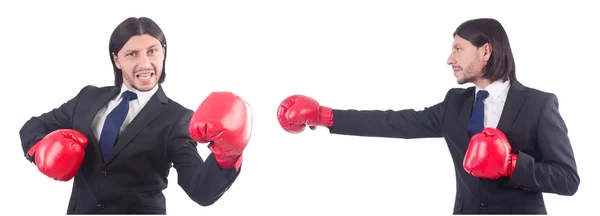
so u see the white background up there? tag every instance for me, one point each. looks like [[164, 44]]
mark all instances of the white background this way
[[346, 54]]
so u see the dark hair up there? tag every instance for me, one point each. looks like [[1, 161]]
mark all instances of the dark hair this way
[[501, 64], [123, 32]]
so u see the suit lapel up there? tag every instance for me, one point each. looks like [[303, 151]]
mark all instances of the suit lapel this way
[[465, 113], [512, 106], [155, 106], [97, 104]]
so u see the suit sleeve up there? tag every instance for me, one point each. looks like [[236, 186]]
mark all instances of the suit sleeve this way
[[407, 123], [203, 181], [38, 127], [556, 171]]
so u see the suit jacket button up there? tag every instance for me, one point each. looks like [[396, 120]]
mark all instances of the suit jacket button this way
[[103, 173], [100, 206], [482, 206]]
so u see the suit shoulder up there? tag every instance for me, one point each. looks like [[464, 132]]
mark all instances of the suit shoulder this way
[[539, 93], [176, 107], [95, 89], [460, 92], [539, 96]]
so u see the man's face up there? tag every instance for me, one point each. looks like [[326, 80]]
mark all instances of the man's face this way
[[141, 61], [468, 61]]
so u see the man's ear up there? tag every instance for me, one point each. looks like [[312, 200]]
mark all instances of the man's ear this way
[[486, 52], [117, 63], [164, 52]]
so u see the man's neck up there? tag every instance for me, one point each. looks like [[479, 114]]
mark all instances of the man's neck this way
[[482, 83]]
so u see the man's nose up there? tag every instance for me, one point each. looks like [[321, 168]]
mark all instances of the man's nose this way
[[450, 60], [144, 61]]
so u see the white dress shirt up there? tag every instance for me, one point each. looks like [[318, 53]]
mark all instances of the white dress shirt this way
[[494, 103], [135, 106]]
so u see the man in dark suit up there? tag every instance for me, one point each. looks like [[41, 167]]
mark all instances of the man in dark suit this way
[[119, 142], [523, 151]]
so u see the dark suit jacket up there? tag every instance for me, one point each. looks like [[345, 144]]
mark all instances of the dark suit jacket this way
[[532, 124], [136, 173]]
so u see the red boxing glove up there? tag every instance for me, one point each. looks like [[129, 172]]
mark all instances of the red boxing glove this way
[[59, 154], [489, 155], [298, 111], [225, 120]]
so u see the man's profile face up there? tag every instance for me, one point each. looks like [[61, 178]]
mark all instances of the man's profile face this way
[[141, 61], [468, 61]]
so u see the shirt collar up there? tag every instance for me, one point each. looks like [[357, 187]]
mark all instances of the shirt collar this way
[[142, 96], [496, 88]]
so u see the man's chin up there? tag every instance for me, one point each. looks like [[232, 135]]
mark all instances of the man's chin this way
[[145, 87], [461, 82]]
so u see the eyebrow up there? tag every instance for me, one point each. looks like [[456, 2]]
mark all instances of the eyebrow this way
[[150, 47]]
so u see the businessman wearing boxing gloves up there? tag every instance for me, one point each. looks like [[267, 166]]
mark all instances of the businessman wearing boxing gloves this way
[[508, 142], [119, 142]]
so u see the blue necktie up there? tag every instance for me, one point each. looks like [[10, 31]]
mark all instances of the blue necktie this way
[[476, 122], [112, 124]]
